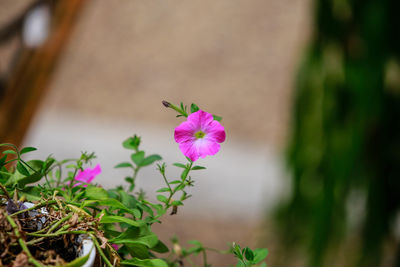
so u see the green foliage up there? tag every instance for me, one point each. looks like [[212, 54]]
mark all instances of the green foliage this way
[[345, 132], [118, 216]]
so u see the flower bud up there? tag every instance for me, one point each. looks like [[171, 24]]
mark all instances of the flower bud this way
[[166, 104]]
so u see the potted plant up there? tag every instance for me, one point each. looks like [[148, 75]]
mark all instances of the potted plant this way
[[52, 212]]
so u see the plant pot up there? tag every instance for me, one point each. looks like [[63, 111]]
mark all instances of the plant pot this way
[[87, 246]]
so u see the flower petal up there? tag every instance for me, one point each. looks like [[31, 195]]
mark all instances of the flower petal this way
[[189, 150], [206, 147], [184, 132], [216, 132], [200, 119]]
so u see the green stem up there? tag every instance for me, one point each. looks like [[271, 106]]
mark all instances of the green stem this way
[[100, 250], [41, 204], [179, 110], [21, 242], [58, 233], [205, 258], [167, 204]]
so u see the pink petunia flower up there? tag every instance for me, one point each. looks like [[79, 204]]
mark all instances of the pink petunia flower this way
[[200, 135], [87, 175]]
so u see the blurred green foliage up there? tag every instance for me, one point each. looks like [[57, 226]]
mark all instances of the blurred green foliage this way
[[344, 152]]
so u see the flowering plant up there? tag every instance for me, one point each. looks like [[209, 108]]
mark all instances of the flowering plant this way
[[68, 207]]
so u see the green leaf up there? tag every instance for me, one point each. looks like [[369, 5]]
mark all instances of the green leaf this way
[[137, 157], [150, 159], [217, 118], [33, 178], [22, 169], [175, 182], [79, 261], [160, 247], [179, 187], [193, 108], [260, 254], [3, 161], [124, 165], [137, 251], [198, 168], [145, 263], [120, 219], [10, 152], [184, 173], [132, 143], [180, 165], [248, 253], [27, 149], [96, 193], [164, 189], [135, 235], [177, 203], [162, 198]]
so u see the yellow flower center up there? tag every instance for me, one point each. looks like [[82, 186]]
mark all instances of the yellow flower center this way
[[199, 134]]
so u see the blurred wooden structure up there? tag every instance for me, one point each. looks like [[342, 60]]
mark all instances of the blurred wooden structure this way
[[28, 81]]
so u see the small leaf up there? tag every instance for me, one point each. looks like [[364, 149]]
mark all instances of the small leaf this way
[[177, 203], [22, 169], [129, 179], [96, 193], [260, 254], [124, 165], [160, 247], [217, 118], [2, 161], [175, 182], [132, 143], [194, 108], [162, 198], [120, 219], [79, 261], [180, 165], [137, 157], [179, 187], [9, 152], [198, 168], [145, 263], [150, 159], [164, 189], [248, 253], [27, 149]]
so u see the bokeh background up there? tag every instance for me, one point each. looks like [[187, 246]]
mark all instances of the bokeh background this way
[[308, 92]]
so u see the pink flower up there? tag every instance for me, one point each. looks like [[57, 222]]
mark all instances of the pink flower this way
[[115, 246], [87, 175], [200, 135]]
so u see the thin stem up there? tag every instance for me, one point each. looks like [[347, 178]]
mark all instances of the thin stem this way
[[21, 242], [5, 191], [167, 204], [100, 250], [177, 109], [58, 233], [41, 204], [205, 258]]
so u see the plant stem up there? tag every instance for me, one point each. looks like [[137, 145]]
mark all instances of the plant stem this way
[[5, 191], [58, 233], [21, 242], [100, 250], [41, 204], [167, 204]]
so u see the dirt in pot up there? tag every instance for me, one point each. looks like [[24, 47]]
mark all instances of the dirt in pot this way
[[40, 231]]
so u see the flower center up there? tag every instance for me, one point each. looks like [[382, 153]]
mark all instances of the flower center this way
[[199, 134]]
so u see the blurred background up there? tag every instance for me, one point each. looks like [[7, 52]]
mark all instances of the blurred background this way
[[309, 92]]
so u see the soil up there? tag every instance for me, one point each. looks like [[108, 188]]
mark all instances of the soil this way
[[59, 249]]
